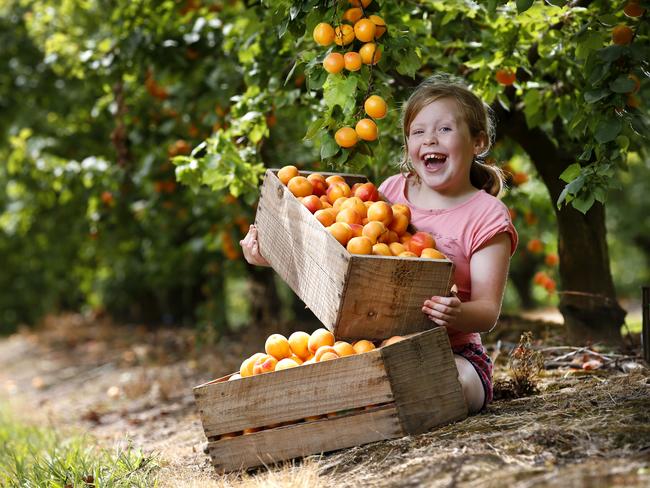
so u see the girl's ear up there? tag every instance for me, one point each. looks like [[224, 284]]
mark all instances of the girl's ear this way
[[480, 143]]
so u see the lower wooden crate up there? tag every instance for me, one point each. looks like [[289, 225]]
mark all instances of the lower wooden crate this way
[[405, 388]]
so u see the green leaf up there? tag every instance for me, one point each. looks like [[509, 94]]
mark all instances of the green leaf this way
[[611, 53], [571, 172], [533, 108], [328, 147], [340, 90], [409, 63], [607, 130], [583, 203], [586, 154], [523, 5], [313, 129], [623, 142], [622, 84], [594, 95]]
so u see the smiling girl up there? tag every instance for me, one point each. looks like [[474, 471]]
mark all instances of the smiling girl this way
[[453, 195]]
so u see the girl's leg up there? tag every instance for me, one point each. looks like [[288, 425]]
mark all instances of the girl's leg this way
[[471, 383]]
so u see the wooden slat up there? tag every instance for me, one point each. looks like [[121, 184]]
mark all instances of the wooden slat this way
[[384, 295], [306, 256], [292, 394], [424, 381], [314, 437]]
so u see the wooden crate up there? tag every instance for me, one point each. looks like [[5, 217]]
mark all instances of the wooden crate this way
[[354, 296], [405, 388]]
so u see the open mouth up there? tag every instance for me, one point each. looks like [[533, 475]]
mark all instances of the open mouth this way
[[434, 160]]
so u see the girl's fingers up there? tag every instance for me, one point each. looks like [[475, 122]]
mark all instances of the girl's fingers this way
[[436, 314]]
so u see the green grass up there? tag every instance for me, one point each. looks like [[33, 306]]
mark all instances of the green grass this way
[[632, 325], [37, 456]]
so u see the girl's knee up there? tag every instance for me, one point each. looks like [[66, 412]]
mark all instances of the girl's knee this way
[[471, 383]]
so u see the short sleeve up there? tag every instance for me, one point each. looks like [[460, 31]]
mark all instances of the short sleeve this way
[[493, 222], [390, 188]]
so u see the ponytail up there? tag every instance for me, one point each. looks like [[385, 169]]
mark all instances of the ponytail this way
[[485, 177]]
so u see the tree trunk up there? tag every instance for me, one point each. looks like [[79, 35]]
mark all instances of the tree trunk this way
[[588, 300], [521, 277]]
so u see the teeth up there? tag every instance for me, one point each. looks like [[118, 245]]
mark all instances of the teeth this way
[[433, 157]]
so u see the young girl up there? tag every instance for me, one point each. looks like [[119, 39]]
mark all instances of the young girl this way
[[452, 195]]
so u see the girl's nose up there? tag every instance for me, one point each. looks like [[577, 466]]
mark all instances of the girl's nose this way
[[430, 138]]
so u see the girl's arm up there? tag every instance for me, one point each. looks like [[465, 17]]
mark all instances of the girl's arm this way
[[489, 269]]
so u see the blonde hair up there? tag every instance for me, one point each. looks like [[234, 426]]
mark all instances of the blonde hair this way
[[477, 115]]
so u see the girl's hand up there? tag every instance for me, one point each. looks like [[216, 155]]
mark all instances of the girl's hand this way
[[442, 310], [251, 248]]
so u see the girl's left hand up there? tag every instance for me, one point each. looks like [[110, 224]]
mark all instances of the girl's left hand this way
[[442, 310]]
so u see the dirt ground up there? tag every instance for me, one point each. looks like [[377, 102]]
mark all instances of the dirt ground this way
[[581, 427]]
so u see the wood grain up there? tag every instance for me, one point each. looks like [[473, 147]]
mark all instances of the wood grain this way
[[424, 381], [292, 394], [384, 295], [314, 437]]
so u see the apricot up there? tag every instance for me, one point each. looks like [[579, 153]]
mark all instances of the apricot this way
[[380, 211], [338, 203], [399, 224], [298, 343], [328, 356], [421, 240], [430, 253], [357, 230], [370, 53], [323, 34], [265, 364], [356, 204], [300, 186], [341, 232], [403, 209], [277, 346], [362, 346], [365, 30], [349, 216], [246, 368], [286, 173], [319, 185], [396, 248], [353, 14], [380, 25], [296, 359], [359, 245], [318, 355], [320, 337], [235, 376], [325, 216], [286, 363], [367, 192], [391, 340], [405, 238], [336, 191], [374, 230], [407, 254], [313, 203], [381, 249], [343, 348], [331, 179]]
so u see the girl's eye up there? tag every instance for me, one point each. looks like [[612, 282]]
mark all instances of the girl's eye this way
[[416, 131], [445, 129]]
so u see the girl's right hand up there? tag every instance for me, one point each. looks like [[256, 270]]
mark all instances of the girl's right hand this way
[[251, 248]]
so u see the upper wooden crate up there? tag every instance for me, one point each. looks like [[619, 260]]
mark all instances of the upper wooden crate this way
[[354, 296]]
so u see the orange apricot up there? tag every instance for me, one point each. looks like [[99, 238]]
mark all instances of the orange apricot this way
[[505, 77], [365, 30], [431, 253], [352, 61], [343, 34], [380, 25], [286, 173], [313, 203], [399, 224], [341, 232], [356, 204], [421, 240], [391, 340], [396, 248], [334, 63], [359, 245], [300, 186], [357, 230], [246, 368], [318, 183], [403, 209], [277, 345], [367, 192], [286, 363], [318, 338], [325, 216], [265, 364], [375, 106], [323, 34], [331, 179], [380, 211], [370, 53], [621, 35], [346, 137], [353, 14], [322, 350], [373, 230], [363, 346], [336, 191], [348, 216], [381, 249], [366, 129], [343, 348]]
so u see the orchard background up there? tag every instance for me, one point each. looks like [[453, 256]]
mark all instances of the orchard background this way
[[135, 135]]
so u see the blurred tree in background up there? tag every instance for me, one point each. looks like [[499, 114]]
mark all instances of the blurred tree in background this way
[[105, 105]]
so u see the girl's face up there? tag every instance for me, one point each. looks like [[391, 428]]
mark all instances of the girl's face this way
[[441, 148]]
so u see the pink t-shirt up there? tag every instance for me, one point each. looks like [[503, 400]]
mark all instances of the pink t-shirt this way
[[459, 232]]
